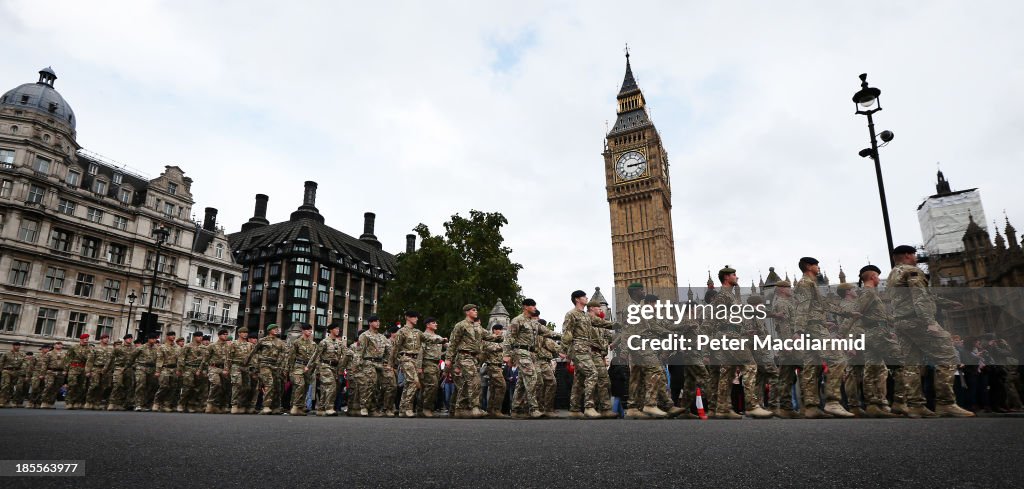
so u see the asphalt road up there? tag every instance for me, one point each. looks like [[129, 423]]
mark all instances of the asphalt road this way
[[128, 449]]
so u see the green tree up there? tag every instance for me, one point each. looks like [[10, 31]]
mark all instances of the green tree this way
[[469, 264]]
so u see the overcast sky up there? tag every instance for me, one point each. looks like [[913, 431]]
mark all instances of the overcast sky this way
[[419, 110]]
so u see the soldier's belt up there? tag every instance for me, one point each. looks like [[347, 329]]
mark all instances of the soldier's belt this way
[[300, 363], [374, 359], [332, 363], [55, 369], [468, 352], [432, 359], [216, 365], [410, 355], [10, 368], [525, 347], [76, 365], [147, 365]]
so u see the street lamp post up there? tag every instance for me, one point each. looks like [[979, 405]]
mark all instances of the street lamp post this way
[[131, 302], [866, 101], [161, 237]]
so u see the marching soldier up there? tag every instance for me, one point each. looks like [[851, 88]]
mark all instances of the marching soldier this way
[[270, 356], [547, 350], [767, 372], [463, 347], [254, 378], [56, 370], [24, 379], [75, 373], [913, 309], [98, 368], [406, 355], [389, 380], [238, 353], [782, 313], [38, 383], [331, 357], [432, 351], [190, 364], [167, 373], [298, 364], [371, 351], [10, 374], [580, 325], [742, 360], [882, 347], [216, 363], [494, 358], [121, 383], [853, 371], [144, 363], [694, 371], [523, 333]]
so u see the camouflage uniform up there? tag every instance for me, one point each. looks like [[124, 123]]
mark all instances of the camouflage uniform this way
[[190, 364], [733, 361], [238, 355], [524, 333], [388, 382], [432, 354], [493, 361], [99, 366], [11, 363], [75, 360], [694, 371], [217, 364], [408, 344], [56, 370], [767, 371], [650, 388], [881, 345], [546, 385], [144, 362], [581, 326], [121, 380], [300, 353], [463, 347], [782, 395], [38, 383], [24, 379], [270, 356], [331, 357], [372, 346], [810, 319], [167, 368]]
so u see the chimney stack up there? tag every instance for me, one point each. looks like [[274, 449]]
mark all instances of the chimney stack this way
[[308, 208], [309, 196], [410, 243], [259, 217], [368, 236], [210, 221]]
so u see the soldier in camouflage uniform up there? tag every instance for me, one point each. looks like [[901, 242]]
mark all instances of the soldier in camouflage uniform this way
[[651, 397], [853, 370], [602, 393], [56, 373], [120, 380], [432, 352], [524, 332], [733, 361], [190, 364], [270, 353], [38, 380], [881, 345], [254, 377], [75, 373], [493, 359], [331, 357], [767, 370], [406, 355], [238, 353], [144, 362], [389, 379], [167, 373], [300, 352], [637, 360], [24, 379], [11, 363], [98, 369], [810, 319], [464, 345], [547, 349], [371, 350], [913, 308], [695, 373], [580, 325], [217, 365], [782, 313]]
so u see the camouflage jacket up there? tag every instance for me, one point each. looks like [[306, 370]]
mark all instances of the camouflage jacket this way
[[810, 309], [468, 337], [372, 345], [582, 328], [191, 356], [721, 322], [145, 356], [238, 353], [784, 325], [167, 356], [493, 354], [523, 331], [547, 349], [909, 297], [121, 356], [410, 340], [270, 351], [100, 357], [12, 359], [218, 355], [78, 354], [331, 351], [432, 350], [301, 351]]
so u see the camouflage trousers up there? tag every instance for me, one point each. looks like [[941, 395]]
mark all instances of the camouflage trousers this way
[[711, 394], [812, 370], [240, 387], [168, 381], [853, 378], [546, 385], [918, 344], [371, 375], [121, 385], [525, 398], [9, 380], [300, 385], [767, 377], [220, 384], [599, 395], [496, 387], [145, 386], [388, 389], [21, 388], [585, 377], [647, 386], [272, 385], [695, 376], [430, 379], [355, 380], [467, 382], [189, 399], [99, 386], [409, 366], [51, 386], [328, 392], [748, 378], [883, 348], [76, 382], [782, 396]]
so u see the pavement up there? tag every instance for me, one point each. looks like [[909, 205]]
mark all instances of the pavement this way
[[128, 449]]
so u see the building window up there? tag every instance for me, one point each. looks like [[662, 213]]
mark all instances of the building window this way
[[159, 298], [169, 209], [74, 176], [42, 165], [46, 321], [100, 187], [77, 322], [54, 281], [257, 273], [219, 250], [28, 231], [172, 188], [94, 214], [303, 269], [229, 283], [83, 287], [105, 325], [125, 196], [111, 289], [90, 247], [211, 310], [66, 206], [93, 168], [225, 312], [300, 292], [120, 222], [35, 194], [60, 240], [275, 270], [6, 158], [6, 187], [214, 279], [19, 272], [197, 306], [118, 177], [116, 253], [9, 316]]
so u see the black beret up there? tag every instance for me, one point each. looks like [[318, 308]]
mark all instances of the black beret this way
[[809, 261], [870, 268], [392, 330], [16, 343], [29, 354], [412, 314], [154, 336], [206, 337], [497, 326], [577, 294], [334, 326], [529, 302], [430, 319], [170, 333], [543, 321], [138, 341], [904, 249], [127, 336], [373, 318], [197, 334], [223, 331], [650, 298], [306, 326]]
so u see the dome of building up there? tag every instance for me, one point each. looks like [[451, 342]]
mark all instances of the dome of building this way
[[41, 97]]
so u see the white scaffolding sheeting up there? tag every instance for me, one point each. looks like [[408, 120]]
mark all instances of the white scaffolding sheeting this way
[[944, 220]]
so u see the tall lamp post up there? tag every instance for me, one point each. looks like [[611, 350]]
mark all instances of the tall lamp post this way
[[866, 102], [131, 302], [161, 234]]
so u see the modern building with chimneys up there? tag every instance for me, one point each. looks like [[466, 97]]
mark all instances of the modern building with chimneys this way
[[302, 270]]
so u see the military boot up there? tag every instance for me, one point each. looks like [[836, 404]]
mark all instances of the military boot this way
[[837, 410], [536, 414], [477, 413], [410, 414], [363, 412], [155, 408], [609, 414], [551, 414], [575, 415], [321, 413], [330, 412], [87, 406], [235, 410], [875, 411], [634, 413], [759, 413], [675, 411], [266, 410], [920, 412], [427, 413], [814, 413], [898, 408], [591, 413], [730, 414], [952, 410], [654, 412], [858, 412]]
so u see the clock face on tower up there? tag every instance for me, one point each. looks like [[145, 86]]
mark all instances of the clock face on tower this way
[[630, 165]]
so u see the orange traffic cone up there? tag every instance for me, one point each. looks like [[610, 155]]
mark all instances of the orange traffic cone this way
[[700, 406]]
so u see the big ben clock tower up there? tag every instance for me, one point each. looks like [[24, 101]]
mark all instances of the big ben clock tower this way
[[639, 197]]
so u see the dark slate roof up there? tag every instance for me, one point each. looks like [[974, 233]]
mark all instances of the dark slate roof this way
[[202, 239], [323, 239], [628, 121], [137, 183], [38, 97], [628, 83]]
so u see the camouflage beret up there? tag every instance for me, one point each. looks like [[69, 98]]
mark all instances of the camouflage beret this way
[[468, 307], [243, 329], [727, 270], [635, 285], [783, 283], [593, 303], [846, 286]]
